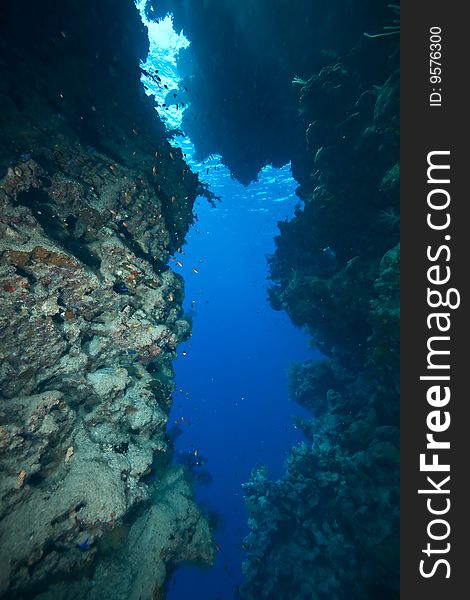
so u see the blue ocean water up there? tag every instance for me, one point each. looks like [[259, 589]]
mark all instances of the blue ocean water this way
[[231, 410], [231, 375]]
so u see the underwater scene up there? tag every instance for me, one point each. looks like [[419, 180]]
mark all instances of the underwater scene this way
[[199, 299]]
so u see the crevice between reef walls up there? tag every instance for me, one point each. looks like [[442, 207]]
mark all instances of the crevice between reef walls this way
[[93, 200]]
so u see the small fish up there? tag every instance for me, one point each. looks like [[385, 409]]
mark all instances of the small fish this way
[[196, 452], [84, 545], [172, 156], [195, 270], [179, 263], [184, 353]]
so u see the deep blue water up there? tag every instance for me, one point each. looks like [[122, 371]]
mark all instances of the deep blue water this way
[[231, 375]]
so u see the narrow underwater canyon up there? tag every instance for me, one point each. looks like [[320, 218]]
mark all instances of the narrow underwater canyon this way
[[99, 197]]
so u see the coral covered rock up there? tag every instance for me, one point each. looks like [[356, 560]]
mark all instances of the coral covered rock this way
[[91, 316]]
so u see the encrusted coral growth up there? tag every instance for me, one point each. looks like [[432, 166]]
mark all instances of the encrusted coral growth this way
[[93, 200], [329, 529]]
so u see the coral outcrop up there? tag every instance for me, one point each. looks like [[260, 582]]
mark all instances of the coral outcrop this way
[[329, 529], [93, 201]]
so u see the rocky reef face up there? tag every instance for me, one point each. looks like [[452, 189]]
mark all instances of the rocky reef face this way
[[329, 529], [239, 67], [93, 201]]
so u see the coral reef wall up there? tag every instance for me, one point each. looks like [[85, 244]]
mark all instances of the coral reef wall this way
[[93, 200], [329, 529]]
